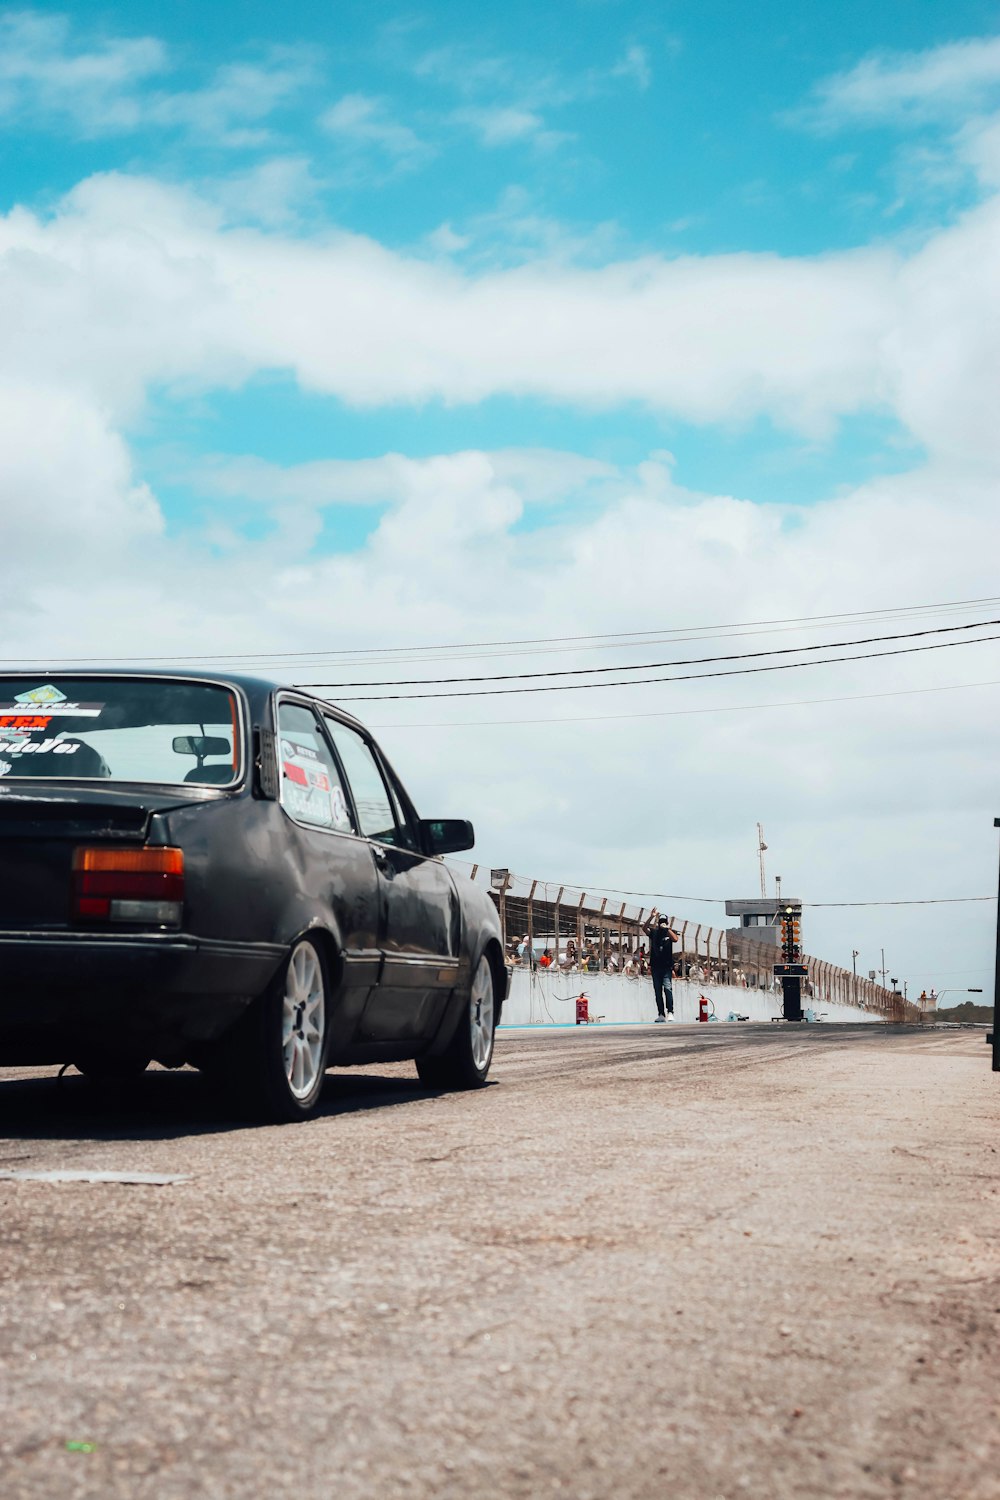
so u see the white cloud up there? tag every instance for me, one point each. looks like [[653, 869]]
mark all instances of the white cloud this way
[[50, 75], [510, 99], [232, 110], [502, 125], [69, 501], [42, 71], [951, 92], [361, 121], [129, 284], [466, 70], [517, 229], [538, 475], [635, 65], [954, 79], [275, 193], [721, 338], [978, 145]]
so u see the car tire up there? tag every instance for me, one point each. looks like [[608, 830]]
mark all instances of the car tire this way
[[466, 1061], [275, 1061]]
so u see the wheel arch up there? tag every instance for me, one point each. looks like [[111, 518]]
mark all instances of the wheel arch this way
[[329, 949], [494, 953]]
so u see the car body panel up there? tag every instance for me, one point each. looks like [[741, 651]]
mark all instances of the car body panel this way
[[420, 945]]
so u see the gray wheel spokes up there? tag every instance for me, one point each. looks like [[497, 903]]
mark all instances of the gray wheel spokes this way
[[303, 1020], [481, 1013]]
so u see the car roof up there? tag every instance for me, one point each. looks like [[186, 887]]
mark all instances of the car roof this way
[[251, 684]]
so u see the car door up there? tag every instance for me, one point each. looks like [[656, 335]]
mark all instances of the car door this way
[[334, 866], [422, 919]]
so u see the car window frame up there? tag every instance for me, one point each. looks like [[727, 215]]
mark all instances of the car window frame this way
[[297, 701], [398, 791], [397, 803]]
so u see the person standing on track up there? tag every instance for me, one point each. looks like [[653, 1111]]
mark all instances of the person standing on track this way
[[662, 938]]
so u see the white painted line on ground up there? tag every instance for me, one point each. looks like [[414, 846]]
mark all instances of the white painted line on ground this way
[[147, 1179]]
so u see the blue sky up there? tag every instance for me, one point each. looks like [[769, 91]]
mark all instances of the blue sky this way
[[355, 326], [587, 131], [672, 123]]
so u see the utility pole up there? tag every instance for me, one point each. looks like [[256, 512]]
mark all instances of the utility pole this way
[[854, 971], [996, 989], [883, 971], [761, 846]]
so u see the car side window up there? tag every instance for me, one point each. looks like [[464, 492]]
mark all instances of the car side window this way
[[311, 788], [371, 795]]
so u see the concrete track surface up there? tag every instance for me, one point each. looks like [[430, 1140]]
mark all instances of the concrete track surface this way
[[665, 1262]]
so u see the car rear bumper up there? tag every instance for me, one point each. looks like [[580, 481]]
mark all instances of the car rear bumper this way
[[59, 988]]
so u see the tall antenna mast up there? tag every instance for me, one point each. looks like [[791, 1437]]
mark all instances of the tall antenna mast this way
[[761, 846]]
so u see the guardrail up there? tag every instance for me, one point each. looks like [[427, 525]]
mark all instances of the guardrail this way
[[554, 916]]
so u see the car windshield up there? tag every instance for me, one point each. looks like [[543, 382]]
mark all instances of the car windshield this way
[[118, 729]]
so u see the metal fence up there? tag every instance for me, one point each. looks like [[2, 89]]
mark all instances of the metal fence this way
[[566, 920]]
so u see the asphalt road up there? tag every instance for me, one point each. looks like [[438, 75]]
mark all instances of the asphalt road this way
[[685, 1262]]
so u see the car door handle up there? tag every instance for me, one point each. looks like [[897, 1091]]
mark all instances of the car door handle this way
[[381, 855]]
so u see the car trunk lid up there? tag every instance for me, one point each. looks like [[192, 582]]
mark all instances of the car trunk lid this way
[[38, 834]]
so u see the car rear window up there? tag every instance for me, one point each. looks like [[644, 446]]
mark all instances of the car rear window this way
[[119, 729]]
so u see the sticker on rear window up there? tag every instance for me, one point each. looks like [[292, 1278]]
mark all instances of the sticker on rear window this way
[[46, 694], [304, 765], [22, 723], [306, 789], [20, 748], [66, 708]]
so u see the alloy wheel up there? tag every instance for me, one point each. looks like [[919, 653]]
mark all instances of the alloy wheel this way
[[481, 1013], [303, 1020]]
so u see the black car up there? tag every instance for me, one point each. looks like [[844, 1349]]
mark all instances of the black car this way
[[223, 871]]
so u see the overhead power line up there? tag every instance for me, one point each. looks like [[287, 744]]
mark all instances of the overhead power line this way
[[601, 640], [576, 687], [652, 666], [611, 890], [926, 901], [671, 713]]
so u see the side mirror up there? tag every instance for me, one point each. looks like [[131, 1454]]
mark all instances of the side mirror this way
[[446, 835]]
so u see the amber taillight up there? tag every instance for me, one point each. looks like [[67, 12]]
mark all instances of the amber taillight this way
[[129, 885]]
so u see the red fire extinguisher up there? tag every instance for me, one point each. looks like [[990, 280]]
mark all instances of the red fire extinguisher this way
[[583, 1010], [703, 1004]]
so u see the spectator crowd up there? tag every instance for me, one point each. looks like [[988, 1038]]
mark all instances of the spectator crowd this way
[[595, 956]]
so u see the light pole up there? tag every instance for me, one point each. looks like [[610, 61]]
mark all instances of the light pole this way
[[955, 990], [854, 972]]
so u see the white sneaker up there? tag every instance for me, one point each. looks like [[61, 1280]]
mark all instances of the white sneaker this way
[[659, 1020]]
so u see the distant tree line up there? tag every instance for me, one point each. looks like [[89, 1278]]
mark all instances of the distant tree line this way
[[967, 1011]]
